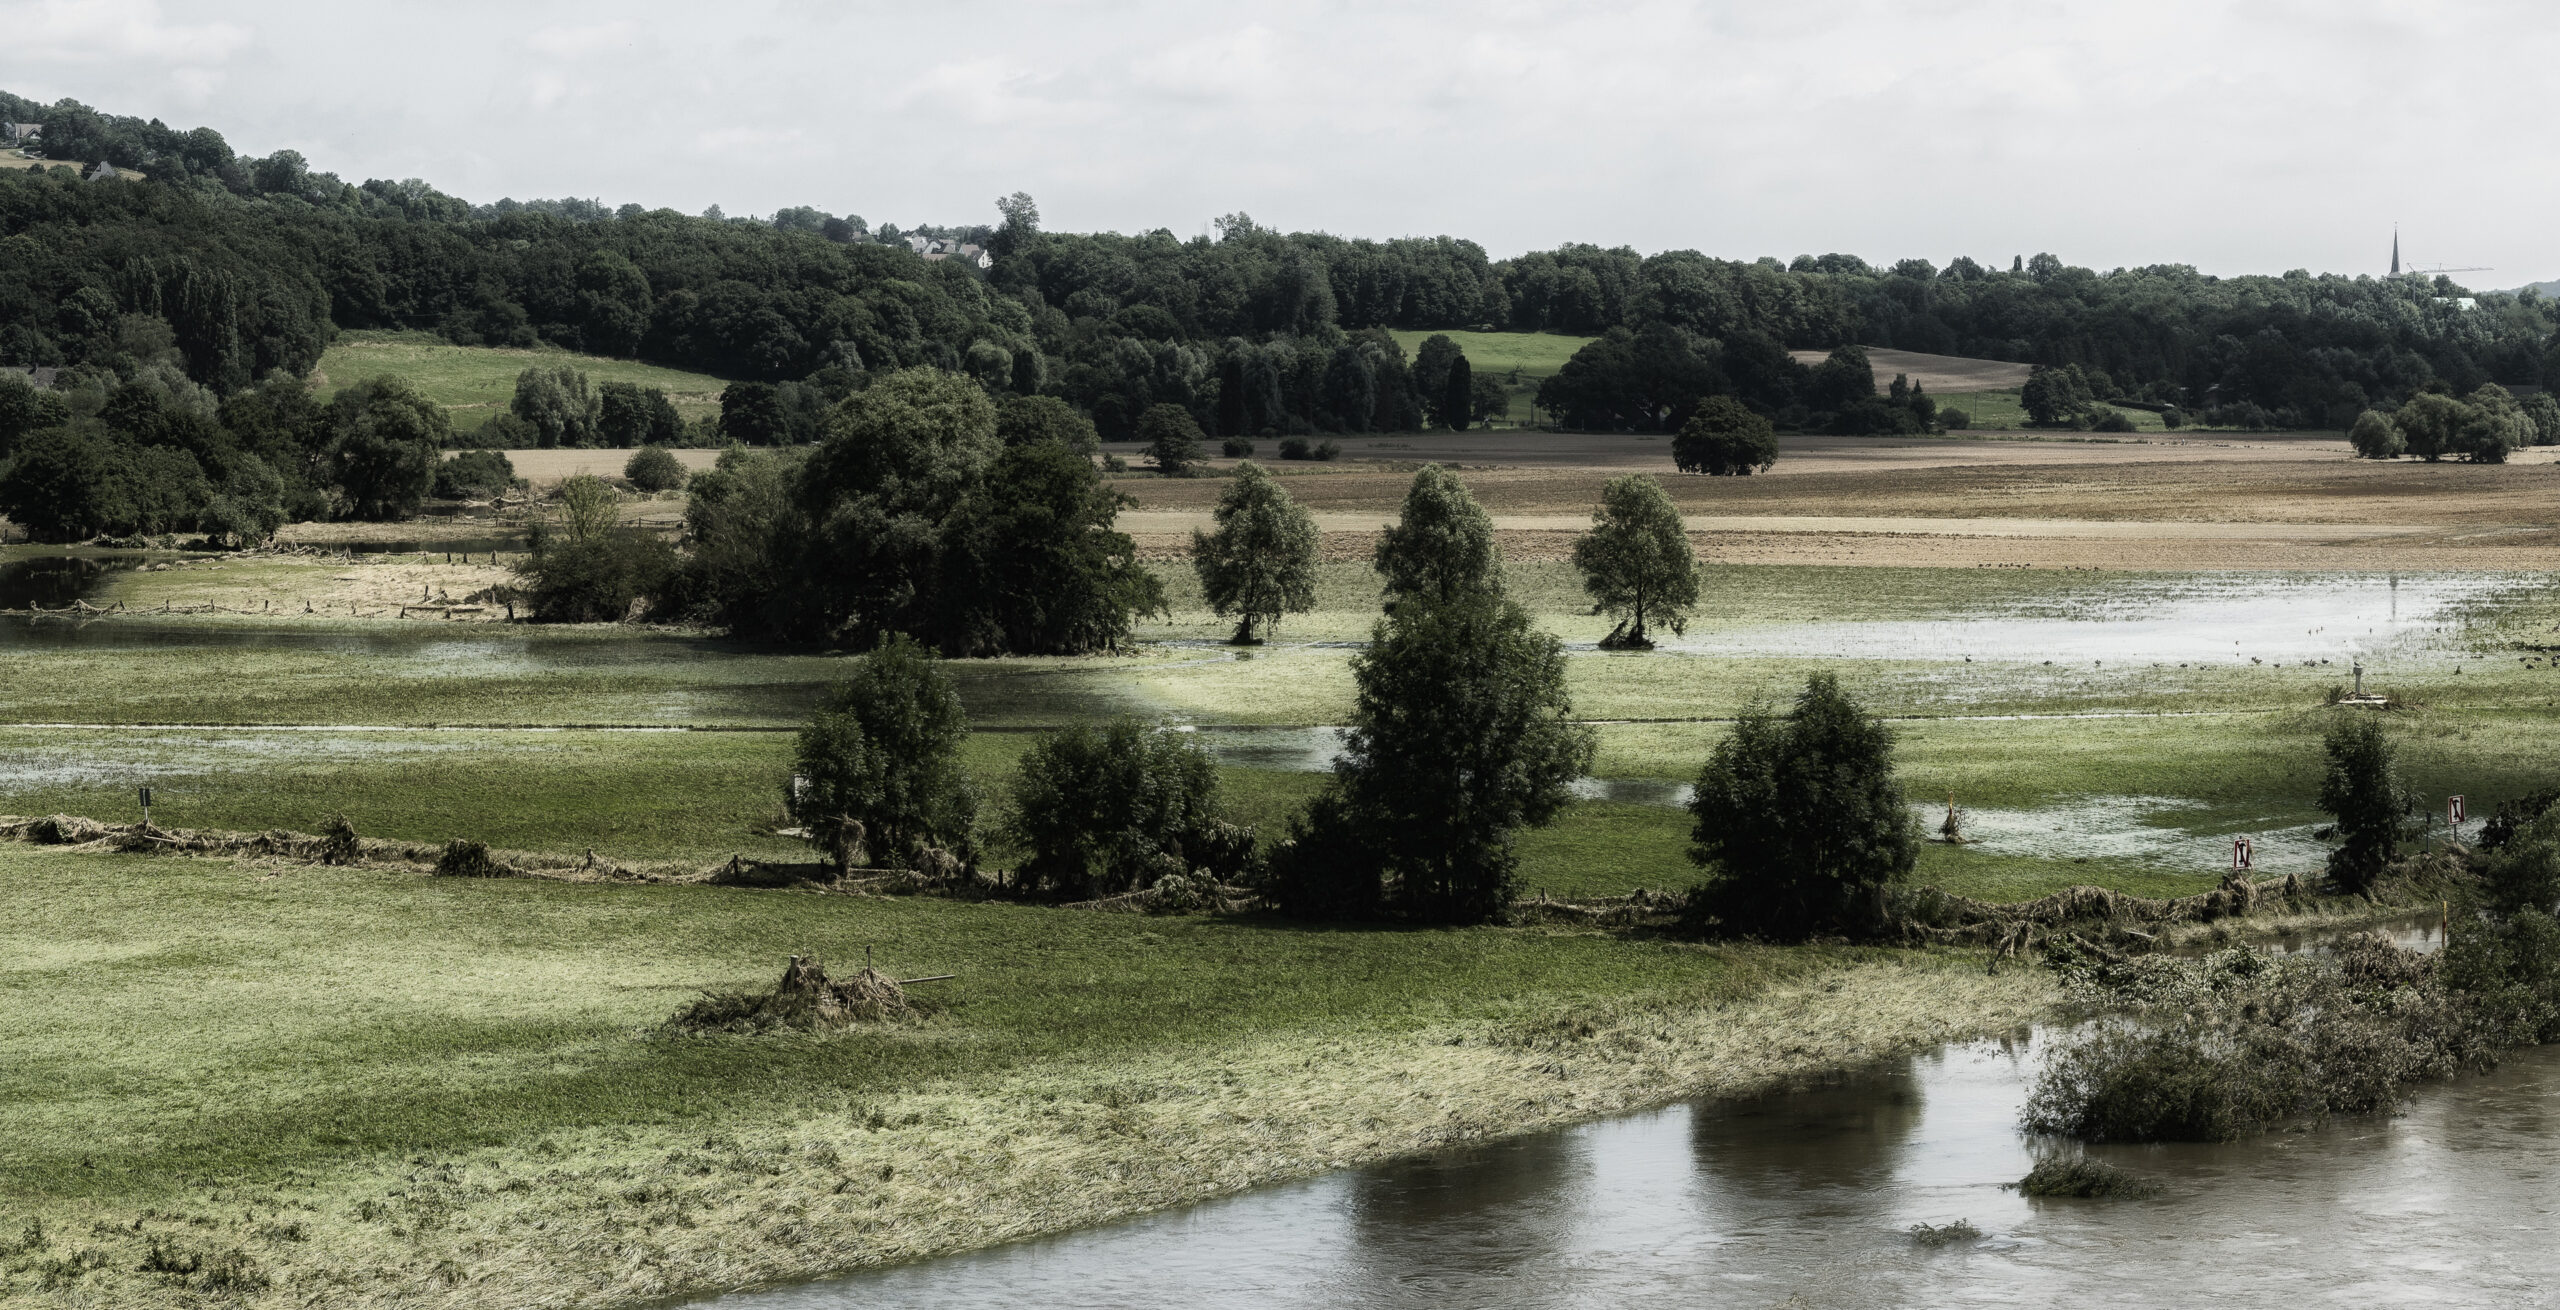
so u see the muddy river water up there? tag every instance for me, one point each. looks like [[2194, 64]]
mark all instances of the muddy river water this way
[[1806, 1199]]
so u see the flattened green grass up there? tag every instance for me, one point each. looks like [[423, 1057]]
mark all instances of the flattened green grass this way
[[362, 1013], [476, 382]]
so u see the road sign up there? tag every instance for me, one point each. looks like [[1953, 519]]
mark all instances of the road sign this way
[[2453, 810], [2243, 855]]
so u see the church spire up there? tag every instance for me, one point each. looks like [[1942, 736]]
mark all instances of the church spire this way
[[2395, 252]]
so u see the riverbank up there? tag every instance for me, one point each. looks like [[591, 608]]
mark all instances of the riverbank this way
[[304, 1086]]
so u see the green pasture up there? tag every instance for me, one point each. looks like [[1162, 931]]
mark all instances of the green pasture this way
[[476, 382], [365, 1014]]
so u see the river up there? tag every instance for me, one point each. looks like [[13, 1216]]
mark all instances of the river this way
[[1806, 1198]]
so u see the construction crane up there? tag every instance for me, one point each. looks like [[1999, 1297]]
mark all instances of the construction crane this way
[[2432, 270]]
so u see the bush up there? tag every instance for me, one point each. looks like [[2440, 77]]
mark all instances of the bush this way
[[597, 579], [1236, 448], [2522, 872], [1800, 821], [2241, 1040], [474, 475], [2110, 420], [1118, 809], [1328, 449], [1954, 420], [2375, 436], [1296, 448], [654, 469], [2079, 1176], [878, 766], [2173, 418]]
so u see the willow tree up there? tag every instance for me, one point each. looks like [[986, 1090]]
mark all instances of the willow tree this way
[[1261, 562], [1636, 562], [1441, 547]]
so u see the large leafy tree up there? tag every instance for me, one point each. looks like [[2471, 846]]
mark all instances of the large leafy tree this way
[[1462, 737], [1722, 438], [560, 404], [877, 770], [1800, 822], [388, 440], [1029, 563], [1261, 562], [1636, 562], [1441, 547], [899, 458], [1171, 437], [1640, 381]]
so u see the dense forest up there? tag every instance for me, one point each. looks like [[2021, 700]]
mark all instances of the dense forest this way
[[199, 283]]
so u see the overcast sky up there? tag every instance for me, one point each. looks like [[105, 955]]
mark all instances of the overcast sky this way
[[2249, 137]]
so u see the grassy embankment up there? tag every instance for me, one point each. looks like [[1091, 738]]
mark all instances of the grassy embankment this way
[[399, 1090], [476, 382], [1521, 359]]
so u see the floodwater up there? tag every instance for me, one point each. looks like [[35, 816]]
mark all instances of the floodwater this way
[[54, 581], [2167, 618], [1806, 1198]]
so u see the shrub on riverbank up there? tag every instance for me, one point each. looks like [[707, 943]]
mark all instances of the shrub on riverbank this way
[[2213, 1049]]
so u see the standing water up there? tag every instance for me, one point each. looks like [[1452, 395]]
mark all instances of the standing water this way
[[1806, 1199]]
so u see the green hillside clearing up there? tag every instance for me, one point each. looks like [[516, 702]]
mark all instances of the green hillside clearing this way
[[475, 382], [1535, 355]]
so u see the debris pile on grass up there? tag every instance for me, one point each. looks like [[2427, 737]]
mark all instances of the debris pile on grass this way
[[465, 858], [806, 1000], [2080, 1176], [1929, 914]]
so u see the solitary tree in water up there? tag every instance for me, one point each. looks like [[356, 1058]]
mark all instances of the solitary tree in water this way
[[1636, 562], [1261, 562], [1442, 546]]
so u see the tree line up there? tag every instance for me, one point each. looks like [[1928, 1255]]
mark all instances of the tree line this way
[[251, 263]]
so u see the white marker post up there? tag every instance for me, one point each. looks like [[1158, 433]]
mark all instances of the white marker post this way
[[146, 808], [2243, 855]]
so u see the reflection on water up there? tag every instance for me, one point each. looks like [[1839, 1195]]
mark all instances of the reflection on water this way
[[54, 581], [1804, 1198], [2168, 618]]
